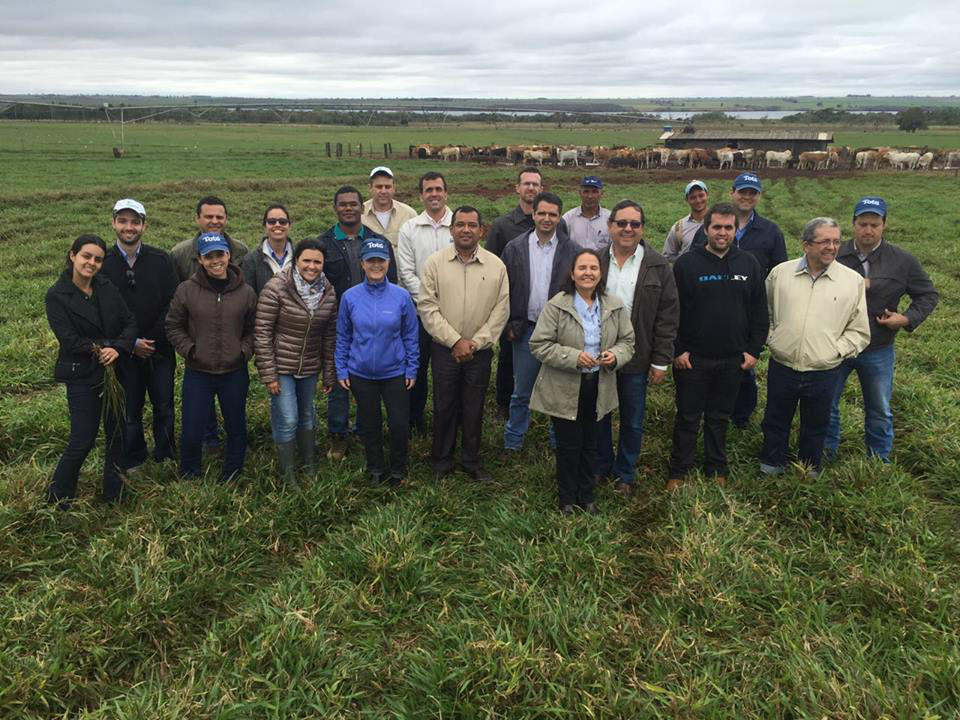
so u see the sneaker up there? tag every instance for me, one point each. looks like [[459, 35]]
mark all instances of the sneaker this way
[[567, 510], [338, 448], [771, 469], [673, 484]]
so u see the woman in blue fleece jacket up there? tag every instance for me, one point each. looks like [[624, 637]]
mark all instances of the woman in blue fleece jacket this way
[[377, 356]]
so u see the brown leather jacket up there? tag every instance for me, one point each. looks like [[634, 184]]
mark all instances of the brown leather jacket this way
[[288, 339], [213, 331]]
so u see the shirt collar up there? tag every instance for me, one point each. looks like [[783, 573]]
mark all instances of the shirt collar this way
[[424, 219], [580, 213], [268, 248], [454, 256], [127, 256], [339, 234], [535, 239], [804, 267], [637, 253], [581, 305], [853, 244]]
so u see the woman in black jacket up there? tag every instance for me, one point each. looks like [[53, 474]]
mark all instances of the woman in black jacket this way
[[93, 326]]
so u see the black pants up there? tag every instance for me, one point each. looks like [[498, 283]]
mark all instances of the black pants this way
[[505, 373], [746, 397], [85, 406], [393, 393], [140, 377], [708, 390], [458, 393], [418, 396], [577, 446]]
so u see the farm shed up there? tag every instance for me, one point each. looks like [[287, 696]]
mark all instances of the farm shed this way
[[761, 140]]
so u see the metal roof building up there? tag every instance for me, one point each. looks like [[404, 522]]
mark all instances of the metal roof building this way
[[762, 140]]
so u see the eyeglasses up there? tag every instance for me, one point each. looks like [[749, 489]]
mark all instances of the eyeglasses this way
[[830, 241], [635, 224], [131, 278], [278, 221]]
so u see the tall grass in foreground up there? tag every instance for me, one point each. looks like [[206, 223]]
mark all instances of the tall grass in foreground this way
[[788, 597]]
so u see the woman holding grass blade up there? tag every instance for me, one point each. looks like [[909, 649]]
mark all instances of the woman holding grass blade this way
[[378, 352], [93, 326], [275, 252], [295, 336], [210, 323], [582, 336]]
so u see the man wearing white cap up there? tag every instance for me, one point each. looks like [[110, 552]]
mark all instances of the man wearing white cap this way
[[381, 213], [147, 280], [681, 235]]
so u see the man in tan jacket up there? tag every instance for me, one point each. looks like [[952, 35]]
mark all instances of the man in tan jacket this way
[[818, 319], [381, 213], [463, 303]]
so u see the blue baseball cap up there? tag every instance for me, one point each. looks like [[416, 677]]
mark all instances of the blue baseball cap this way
[[209, 242], [747, 180], [695, 184], [592, 181], [374, 247], [871, 204]]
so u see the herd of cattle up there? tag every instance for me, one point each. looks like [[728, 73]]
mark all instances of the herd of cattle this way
[[722, 158]]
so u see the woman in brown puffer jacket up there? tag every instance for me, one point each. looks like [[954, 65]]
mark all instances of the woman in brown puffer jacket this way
[[295, 337]]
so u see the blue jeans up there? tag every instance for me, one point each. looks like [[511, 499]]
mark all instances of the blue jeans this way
[[140, 377], [632, 394], [525, 369], [292, 409], [197, 393], [813, 390], [338, 411], [875, 370]]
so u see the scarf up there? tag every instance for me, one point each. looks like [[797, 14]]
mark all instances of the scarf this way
[[311, 293]]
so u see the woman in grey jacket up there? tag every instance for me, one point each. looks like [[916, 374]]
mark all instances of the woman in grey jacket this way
[[581, 337], [295, 337]]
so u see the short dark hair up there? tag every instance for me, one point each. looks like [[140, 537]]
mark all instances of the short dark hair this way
[[309, 244], [530, 169], [569, 287], [275, 206], [465, 209], [431, 175], [210, 200], [721, 208], [623, 205], [347, 190], [547, 197], [80, 242]]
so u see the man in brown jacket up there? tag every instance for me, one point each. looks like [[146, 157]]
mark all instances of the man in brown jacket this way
[[641, 277]]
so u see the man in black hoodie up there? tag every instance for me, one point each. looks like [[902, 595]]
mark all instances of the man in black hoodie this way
[[723, 326]]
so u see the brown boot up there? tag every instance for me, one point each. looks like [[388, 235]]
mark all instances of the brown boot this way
[[673, 484]]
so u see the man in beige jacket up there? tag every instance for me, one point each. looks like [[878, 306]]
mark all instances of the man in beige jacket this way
[[463, 303], [381, 213], [818, 319]]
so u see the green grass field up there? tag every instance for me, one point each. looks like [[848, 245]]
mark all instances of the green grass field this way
[[792, 598]]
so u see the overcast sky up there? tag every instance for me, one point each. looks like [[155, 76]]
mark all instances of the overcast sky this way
[[489, 48]]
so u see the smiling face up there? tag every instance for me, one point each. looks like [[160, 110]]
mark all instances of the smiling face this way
[[86, 262], [212, 218], [586, 273], [129, 227], [375, 268], [382, 190], [434, 195], [528, 186], [721, 233], [348, 208], [745, 199], [310, 265], [466, 231], [626, 238], [822, 250], [697, 200], [215, 263], [277, 226]]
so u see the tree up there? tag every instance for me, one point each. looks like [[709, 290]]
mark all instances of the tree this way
[[912, 119]]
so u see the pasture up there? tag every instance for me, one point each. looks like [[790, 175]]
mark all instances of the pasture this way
[[774, 597]]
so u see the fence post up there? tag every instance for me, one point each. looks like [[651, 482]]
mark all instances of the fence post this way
[[385, 153], [328, 149], [339, 149], [359, 149]]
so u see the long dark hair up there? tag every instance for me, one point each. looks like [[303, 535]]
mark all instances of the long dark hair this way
[[570, 287], [79, 243]]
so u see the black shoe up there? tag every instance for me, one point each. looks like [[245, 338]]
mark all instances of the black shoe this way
[[478, 473], [590, 508], [503, 413], [566, 510], [395, 479], [376, 478]]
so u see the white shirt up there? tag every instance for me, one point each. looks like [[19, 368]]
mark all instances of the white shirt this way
[[588, 232], [622, 281], [419, 238]]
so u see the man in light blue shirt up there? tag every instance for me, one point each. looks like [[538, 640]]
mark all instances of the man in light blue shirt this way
[[587, 223]]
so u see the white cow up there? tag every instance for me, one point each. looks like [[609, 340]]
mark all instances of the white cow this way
[[747, 157], [925, 162], [565, 155], [725, 157], [903, 160], [952, 157], [450, 153], [865, 159], [538, 155], [781, 158]]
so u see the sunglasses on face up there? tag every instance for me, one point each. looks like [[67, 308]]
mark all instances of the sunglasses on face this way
[[635, 224], [278, 221]]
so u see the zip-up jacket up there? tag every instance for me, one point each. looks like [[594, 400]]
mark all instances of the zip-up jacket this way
[[184, 255], [723, 304], [80, 322], [763, 239], [213, 331], [894, 272], [337, 265], [377, 333], [289, 339]]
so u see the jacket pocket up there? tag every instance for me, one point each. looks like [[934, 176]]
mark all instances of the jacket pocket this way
[[69, 371]]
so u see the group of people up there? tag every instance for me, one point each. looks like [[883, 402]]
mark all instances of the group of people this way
[[585, 314]]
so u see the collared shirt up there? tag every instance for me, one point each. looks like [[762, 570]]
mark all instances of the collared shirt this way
[[353, 250], [541, 267], [399, 213], [622, 281], [741, 230], [126, 256], [680, 238], [865, 258], [419, 238], [591, 327], [588, 232], [277, 263]]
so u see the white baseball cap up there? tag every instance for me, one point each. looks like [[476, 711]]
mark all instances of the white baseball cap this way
[[381, 170], [129, 204]]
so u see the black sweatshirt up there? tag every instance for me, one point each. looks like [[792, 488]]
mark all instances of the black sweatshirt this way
[[723, 304]]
